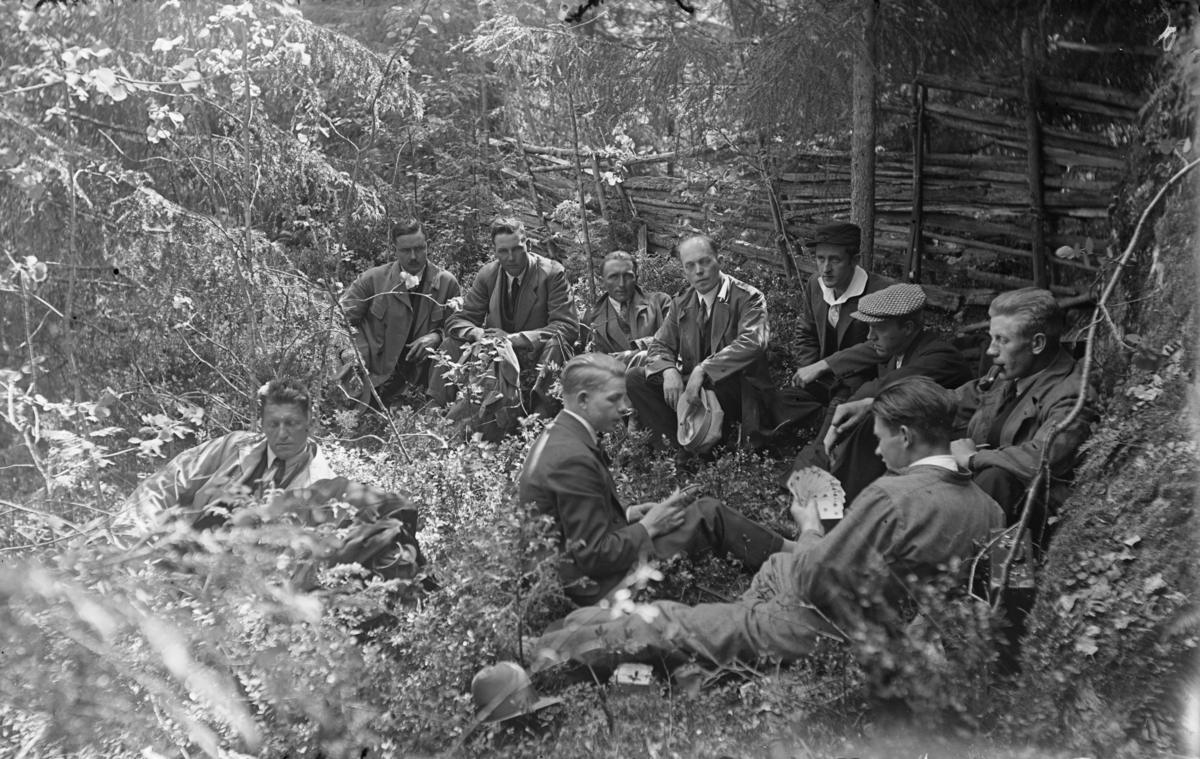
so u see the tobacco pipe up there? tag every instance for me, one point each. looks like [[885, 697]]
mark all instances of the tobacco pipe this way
[[989, 379]]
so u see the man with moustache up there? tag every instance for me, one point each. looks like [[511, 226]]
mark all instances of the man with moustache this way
[[398, 314], [623, 321], [566, 477]]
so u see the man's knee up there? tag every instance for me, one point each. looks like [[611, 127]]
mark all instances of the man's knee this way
[[1004, 487]]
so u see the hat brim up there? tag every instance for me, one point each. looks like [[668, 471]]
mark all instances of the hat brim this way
[[536, 706], [870, 319]]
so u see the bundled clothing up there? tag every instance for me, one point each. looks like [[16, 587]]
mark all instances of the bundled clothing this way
[[902, 529]]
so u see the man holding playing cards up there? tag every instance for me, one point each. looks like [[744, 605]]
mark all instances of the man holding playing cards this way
[[901, 530]]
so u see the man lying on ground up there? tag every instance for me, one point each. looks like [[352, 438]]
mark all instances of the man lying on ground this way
[[903, 529], [206, 488], [566, 477]]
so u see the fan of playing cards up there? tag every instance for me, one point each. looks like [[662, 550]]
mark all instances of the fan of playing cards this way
[[820, 485]]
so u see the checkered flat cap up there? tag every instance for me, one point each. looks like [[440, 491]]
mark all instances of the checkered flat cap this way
[[890, 302]]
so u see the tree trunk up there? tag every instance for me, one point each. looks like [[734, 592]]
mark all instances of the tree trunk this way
[[862, 150]]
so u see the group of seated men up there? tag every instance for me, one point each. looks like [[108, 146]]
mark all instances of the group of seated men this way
[[931, 459]]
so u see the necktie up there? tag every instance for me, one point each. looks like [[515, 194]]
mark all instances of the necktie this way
[[835, 313], [274, 477], [705, 331], [514, 291], [623, 318]]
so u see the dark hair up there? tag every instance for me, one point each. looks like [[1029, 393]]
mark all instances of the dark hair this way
[[708, 240], [589, 372], [283, 392], [408, 226], [507, 225], [619, 255], [1037, 310], [920, 404]]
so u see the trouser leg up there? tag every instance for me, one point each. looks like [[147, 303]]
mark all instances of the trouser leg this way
[[1005, 488], [646, 397], [553, 356], [798, 407], [710, 525], [729, 395], [855, 463], [781, 627]]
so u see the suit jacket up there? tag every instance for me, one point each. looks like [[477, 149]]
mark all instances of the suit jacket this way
[[381, 310], [739, 335], [849, 357], [544, 307], [927, 356], [199, 475], [566, 478], [647, 312], [1048, 399]]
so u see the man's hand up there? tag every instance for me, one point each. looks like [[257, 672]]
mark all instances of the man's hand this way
[[672, 387], [808, 519], [962, 451], [422, 345], [806, 375], [846, 417], [691, 393], [635, 513], [663, 517]]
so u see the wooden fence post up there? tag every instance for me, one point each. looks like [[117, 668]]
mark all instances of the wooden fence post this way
[[587, 237], [1037, 201], [600, 189], [912, 266]]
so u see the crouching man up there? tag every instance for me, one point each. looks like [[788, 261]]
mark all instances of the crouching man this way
[[904, 528], [566, 477]]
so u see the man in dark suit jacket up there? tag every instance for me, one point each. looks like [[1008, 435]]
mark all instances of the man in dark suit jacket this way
[[833, 357], [398, 314], [623, 321], [566, 476], [904, 348], [717, 331], [524, 298]]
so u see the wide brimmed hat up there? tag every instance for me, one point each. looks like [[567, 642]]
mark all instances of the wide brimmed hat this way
[[503, 691], [699, 426]]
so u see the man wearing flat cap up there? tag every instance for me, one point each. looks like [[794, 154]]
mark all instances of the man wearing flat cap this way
[[896, 334], [623, 321], [834, 360]]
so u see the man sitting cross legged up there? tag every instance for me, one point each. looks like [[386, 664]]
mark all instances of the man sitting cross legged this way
[[904, 528], [566, 477]]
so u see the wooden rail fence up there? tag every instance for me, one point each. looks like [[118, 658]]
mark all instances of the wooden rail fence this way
[[991, 189]]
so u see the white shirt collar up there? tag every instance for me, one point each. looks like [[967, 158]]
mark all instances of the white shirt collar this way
[[586, 424], [945, 461], [858, 284], [520, 277], [720, 291], [617, 306]]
